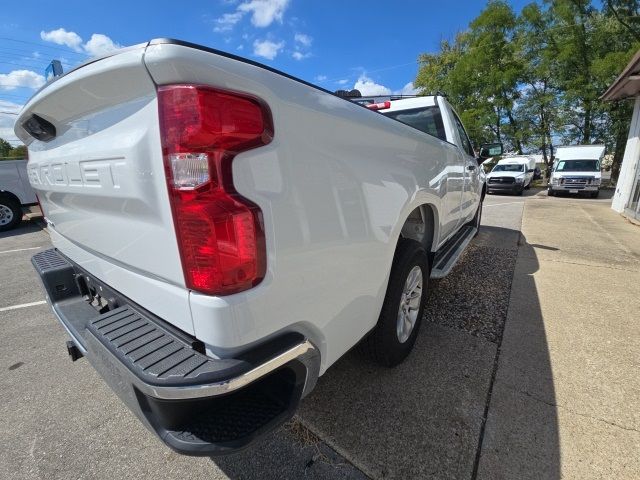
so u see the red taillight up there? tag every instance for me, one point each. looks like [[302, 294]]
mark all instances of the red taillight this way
[[379, 106], [220, 234]]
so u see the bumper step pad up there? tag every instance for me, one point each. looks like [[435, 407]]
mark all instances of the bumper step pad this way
[[155, 355]]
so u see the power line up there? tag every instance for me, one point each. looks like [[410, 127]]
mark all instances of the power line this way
[[20, 65], [43, 45]]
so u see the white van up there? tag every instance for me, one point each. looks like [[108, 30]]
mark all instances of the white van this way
[[512, 174], [576, 169]]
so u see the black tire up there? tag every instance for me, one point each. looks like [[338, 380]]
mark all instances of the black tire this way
[[520, 192], [11, 209], [382, 344], [550, 193], [595, 194]]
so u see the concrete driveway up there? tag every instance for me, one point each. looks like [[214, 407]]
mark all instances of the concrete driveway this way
[[525, 368]]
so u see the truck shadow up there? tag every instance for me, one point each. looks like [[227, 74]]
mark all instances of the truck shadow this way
[[605, 194], [456, 408], [26, 227]]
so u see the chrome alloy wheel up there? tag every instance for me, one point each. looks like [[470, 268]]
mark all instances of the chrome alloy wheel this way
[[6, 215], [409, 304]]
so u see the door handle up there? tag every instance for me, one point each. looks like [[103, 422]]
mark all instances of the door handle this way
[[471, 167]]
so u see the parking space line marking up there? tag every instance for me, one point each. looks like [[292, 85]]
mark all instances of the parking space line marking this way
[[500, 204], [22, 305], [21, 249]]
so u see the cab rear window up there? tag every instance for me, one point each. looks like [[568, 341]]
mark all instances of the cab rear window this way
[[425, 119]]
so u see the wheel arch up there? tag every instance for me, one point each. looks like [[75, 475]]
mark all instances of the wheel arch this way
[[421, 225], [12, 196]]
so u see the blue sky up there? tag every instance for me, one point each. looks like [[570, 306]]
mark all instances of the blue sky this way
[[365, 44]]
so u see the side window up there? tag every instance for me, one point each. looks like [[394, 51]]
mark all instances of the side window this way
[[466, 143]]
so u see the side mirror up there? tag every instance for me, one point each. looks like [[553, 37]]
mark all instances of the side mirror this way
[[488, 150], [531, 170]]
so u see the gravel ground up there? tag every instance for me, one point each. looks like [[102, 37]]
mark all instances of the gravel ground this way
[[474, 297]]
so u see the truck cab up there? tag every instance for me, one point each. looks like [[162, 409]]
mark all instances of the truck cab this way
[[434, 115]]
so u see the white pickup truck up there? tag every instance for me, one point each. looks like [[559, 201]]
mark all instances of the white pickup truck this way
[[15, 193], [225, 232]]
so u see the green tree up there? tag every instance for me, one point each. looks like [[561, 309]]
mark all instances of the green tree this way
[[621, 36], [5, 148], [539, 107], [7, 152], [480, 74], [18, 152], [534, 80]]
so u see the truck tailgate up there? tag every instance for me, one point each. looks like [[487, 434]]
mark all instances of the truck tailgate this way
[[101, 180]]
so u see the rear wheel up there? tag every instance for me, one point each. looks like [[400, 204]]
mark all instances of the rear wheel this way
[[10, 213], [392, 339], [550, 193]]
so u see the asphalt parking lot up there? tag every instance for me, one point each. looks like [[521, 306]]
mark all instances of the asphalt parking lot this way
[[455, 409]]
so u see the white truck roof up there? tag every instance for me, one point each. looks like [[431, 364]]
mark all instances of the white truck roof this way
[[398, 103], [409, 103], [524, 159], [580, 152]]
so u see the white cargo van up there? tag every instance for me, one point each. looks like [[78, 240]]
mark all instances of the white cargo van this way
[[512, 174], [576, 169]]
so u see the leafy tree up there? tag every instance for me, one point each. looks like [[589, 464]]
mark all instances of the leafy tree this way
[[479, 73], [534, 80], [18, 152], [7, 152], [5, 148], [539, 108]]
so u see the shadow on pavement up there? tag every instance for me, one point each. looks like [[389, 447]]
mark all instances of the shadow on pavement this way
[[292, 452], [525, 193], [426, 418], [605, 194], [26, 227], [521, 435]]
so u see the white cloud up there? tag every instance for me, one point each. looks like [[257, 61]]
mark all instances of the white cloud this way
[[227, 21], [408, 89], [297, 55], [264, 12], [100, 44], [20, 78], [303, 39], [320, 78], [97, 45], [7, 121], [344, 81], [62, 37], [369, 87], [267, 49]]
